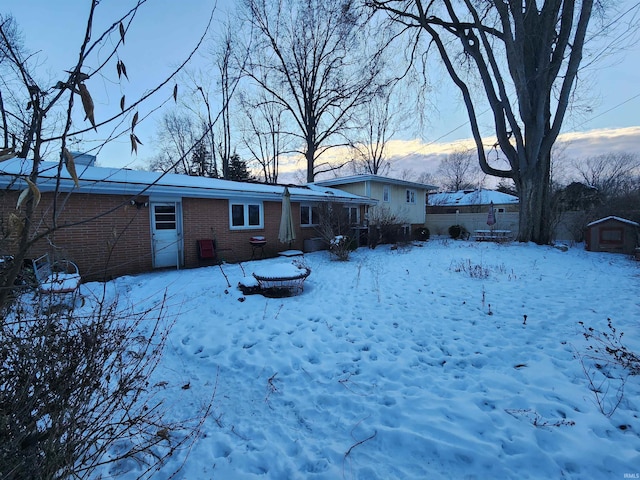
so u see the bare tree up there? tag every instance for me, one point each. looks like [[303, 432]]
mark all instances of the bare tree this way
[[176, 137], [527, 56], [223, 59], [611, 174], [459, 171], [262, 134], [380, 121], [312, 54]]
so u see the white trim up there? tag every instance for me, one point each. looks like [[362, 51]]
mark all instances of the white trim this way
[[310, 206], [613, 217], [245, 214]]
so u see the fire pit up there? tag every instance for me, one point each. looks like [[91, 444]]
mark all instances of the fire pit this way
[[282, 278]]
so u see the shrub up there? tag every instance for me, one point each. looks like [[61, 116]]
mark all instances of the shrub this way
[[75, 390], [458, 232], [421, 234], [341, 246], [607, 363], [385, 227], [334, 228], [473, 270]]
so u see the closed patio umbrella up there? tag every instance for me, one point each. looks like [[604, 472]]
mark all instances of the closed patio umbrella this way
[[491, 217], [287, 233]]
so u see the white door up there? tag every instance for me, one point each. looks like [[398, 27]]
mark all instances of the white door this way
[[165, 230]]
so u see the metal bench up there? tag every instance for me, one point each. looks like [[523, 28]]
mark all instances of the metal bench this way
[[492, 235]]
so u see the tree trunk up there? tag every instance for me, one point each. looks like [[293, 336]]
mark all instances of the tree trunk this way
[[535, 207], [311, 175]]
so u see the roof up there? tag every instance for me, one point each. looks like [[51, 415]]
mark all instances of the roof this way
[[472, 197], [613, 217], [99, 180], [372, 178]]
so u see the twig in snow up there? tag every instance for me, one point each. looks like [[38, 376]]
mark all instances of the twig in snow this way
[[360, 442], [225, 276]]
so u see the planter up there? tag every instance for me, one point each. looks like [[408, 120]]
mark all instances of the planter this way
[[314, 244]]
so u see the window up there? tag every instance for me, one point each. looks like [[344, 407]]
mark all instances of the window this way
[[165, 217], [309, 215], [246, 215], [612, 235], [411, 196], [386, 193], [353, 215]]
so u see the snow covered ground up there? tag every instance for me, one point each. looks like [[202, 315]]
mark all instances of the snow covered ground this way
[[413, 363]]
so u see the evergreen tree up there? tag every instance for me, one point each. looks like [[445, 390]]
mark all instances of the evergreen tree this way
[[238, 169]]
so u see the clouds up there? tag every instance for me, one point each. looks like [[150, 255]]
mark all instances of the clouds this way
[[597, 142], [419, 157]]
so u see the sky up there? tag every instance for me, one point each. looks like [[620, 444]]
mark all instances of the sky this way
[[445, 359], [165, 31]]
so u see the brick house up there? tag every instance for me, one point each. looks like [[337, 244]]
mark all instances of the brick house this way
[[120, 221]]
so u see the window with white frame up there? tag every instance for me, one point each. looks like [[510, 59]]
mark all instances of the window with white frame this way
[[411, 196], [309, 215], [386, 193], [246, 215], [353, 215]]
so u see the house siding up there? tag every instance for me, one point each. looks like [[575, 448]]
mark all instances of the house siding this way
[[412, 214]]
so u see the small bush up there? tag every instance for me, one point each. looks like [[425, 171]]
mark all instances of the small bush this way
[[334, 226], [74, 388], [386, 227], [471, 269], [607, 365], [341, 246], [422, 234], [458, 232], [607, 348]]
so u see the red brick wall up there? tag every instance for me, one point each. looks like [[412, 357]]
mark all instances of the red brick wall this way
[[107, 238], [206, 218]]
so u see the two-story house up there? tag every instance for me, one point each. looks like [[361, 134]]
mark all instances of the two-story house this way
[[400, 202]]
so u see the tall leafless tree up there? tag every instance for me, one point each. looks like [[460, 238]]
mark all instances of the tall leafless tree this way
[[459, 170], [314, 59], [611, 174], [527, 55], [379, 118], [262, 133], [177, 134]]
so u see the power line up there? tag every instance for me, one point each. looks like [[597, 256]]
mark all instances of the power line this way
[[609, 110]]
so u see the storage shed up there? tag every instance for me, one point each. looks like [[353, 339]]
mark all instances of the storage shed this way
[[612, 234]]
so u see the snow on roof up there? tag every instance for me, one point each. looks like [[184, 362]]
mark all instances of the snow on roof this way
[[372, 178], [613, 217], [99, 180], [471, 197]]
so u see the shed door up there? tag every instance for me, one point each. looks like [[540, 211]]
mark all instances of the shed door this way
[[165, 225]]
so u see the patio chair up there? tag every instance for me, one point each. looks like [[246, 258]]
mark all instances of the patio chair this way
[[57, 281], [206, 250]]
